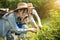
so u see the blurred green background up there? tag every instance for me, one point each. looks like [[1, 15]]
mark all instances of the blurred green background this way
[[49, 12]]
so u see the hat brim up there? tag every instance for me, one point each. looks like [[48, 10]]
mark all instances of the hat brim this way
[[31, 7], [19, 8]]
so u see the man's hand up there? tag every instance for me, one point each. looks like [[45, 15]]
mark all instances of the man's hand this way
[[40, 27], [33, 30]]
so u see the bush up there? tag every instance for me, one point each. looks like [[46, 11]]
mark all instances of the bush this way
[[51, 31]]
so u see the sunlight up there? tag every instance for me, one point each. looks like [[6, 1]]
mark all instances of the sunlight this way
[[58, 2]]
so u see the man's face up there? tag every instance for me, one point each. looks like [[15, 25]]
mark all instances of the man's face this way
[[22, 11], [29, 10]]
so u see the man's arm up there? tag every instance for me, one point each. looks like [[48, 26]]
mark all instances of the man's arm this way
[[11, 19], [34, 12], [32, 21]]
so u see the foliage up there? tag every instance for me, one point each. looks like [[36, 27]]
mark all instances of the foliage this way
[[45, 8], [51, 31], [51, 28], [42, 6]]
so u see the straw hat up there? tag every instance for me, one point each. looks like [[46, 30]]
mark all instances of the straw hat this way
[[21, 5], [30, 5]]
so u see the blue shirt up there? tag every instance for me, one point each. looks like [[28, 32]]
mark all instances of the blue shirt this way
[[9, 22]]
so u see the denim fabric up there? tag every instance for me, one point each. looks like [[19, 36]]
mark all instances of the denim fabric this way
[[4, 27], [9, 36], [9, 22], [12, 22]]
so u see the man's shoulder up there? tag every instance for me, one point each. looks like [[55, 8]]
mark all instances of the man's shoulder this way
[[11, 14]]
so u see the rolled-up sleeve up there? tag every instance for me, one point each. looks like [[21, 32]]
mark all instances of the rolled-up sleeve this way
[[11, 19]]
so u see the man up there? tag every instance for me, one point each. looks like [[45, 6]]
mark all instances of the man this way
[[9, 22], [31, 12], [12, 21]]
